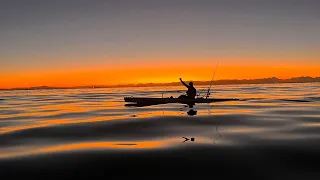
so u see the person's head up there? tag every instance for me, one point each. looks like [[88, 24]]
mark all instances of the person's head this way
[[190, 83]]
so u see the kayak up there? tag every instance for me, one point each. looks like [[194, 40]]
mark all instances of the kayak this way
[[144, 100]]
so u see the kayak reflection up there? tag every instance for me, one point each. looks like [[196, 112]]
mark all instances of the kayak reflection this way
[[191, 112]]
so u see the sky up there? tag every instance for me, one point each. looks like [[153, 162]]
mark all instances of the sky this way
[[108, 42]]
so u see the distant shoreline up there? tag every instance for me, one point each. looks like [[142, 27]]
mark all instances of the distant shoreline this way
[[273, 80]]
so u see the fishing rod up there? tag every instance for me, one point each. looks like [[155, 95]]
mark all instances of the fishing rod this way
[[208, 93], [211, 81]]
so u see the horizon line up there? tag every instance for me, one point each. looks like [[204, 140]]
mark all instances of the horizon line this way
[[222, 82]]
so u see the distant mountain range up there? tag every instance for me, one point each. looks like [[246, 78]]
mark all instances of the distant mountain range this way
[[272, 80]]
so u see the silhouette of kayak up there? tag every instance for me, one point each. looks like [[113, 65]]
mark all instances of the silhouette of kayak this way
[[150, 101]]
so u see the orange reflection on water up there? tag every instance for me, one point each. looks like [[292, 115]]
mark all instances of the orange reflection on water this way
[[79, 107], [50, 110], [256, 95], [243, 130], [225, 111], [158, 113], [16, 152], [72, 107], [39, 124], [311, 124]]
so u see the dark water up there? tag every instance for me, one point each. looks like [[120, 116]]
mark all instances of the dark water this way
[[273, 132]]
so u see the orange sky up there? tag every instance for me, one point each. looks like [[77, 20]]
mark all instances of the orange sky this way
[[156, 73]]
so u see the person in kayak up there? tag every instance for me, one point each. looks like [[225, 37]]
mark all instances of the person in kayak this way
[[191, 93]]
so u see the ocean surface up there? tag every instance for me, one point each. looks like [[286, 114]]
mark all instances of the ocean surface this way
[[272, 132]]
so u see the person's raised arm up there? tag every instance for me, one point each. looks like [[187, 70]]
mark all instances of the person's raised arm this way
[[184, 83]]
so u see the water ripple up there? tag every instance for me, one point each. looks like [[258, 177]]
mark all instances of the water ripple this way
[[43, 121]]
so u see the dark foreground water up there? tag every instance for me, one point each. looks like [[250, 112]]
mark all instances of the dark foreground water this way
[[273, 132]]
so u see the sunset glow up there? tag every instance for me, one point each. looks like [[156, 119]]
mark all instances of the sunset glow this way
[[152, 75], [110, 43]]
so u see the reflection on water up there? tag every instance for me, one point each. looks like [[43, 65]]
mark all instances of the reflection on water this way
[[13, 152], [47, 121]]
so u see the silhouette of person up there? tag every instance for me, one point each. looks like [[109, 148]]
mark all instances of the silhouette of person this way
[[191, 93]]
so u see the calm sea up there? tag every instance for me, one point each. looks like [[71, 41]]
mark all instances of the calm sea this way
[[268, 132]]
